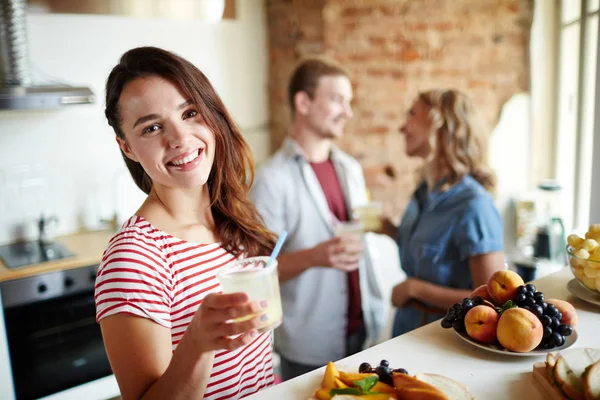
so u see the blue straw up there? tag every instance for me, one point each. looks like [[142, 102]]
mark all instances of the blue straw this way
[[277, 249]]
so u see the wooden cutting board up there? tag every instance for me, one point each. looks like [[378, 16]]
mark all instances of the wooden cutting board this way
[[541, 377]]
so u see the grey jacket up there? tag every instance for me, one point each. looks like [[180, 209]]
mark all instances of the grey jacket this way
[[289, 198]]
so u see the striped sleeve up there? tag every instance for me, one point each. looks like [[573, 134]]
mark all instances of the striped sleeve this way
[[134, 278]]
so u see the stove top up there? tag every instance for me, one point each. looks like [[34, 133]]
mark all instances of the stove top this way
[[27, 253]]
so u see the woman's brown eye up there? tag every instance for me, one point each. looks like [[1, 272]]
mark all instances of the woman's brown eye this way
[[191, 114]]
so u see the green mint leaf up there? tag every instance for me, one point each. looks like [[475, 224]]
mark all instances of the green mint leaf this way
[[353, 391], [367, 383]]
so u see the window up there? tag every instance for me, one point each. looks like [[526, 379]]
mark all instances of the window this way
[[575, 108]]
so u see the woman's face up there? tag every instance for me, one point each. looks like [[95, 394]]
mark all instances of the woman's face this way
[[416, 130], [165, 133]]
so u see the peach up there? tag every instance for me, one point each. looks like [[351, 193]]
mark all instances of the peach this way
[[481, 323], [481, 291], [330, 376], [519, 330], [503, 285], [322, 394], [569, 315]]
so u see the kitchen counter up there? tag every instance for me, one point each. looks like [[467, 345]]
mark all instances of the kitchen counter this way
[[433, 349], [88, 248]]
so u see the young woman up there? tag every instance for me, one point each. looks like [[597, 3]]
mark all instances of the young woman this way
[[450, 237], [166, 327]]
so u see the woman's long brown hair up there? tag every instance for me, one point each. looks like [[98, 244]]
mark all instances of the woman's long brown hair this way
[[459, 144], [237, 221]]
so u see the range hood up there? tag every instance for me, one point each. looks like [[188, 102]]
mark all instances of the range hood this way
[[17, 90]]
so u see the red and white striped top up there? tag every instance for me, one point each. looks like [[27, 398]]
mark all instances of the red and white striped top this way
[[151, 274]]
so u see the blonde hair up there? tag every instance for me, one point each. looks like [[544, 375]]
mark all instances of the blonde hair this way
[[459, 144]]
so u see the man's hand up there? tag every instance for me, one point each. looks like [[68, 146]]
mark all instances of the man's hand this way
[[341, 253]]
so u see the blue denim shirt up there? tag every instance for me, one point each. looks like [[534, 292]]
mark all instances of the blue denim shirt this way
[[438, 234]]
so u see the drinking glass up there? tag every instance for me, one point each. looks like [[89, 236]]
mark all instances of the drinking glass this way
[[259, 282], [370, 216]]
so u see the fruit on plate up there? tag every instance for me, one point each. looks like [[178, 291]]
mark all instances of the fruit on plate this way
[[476, 317], [366, 385], [575, 372], [584, 257], [519, 330], [330, 375], [482, 292], [568, 312], [481, 323], [502, 285]]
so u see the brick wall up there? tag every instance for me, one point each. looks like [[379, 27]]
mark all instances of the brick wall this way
[[393, 49]]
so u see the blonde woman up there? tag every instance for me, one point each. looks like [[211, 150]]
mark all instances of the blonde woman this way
[[450, 237]]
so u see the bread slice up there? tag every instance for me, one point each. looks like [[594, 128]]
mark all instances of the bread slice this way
[[591, 382], [570, 383], [452, 389], [551, 363]]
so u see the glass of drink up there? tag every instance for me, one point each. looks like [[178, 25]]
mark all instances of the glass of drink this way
[[259, 282], [370, 216], [350, 228]]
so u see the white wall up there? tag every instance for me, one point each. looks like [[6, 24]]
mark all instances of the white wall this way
[[66, 162]]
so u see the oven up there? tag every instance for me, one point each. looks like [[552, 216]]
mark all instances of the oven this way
[[54, 342]]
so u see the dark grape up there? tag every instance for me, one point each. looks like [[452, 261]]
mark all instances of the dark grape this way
[[521, 289], [565, 330], [558, 316], [456, 306], [563, 341], [446, 323], [539, 302], [459, 325], [385, 363], [467, 303], [462, 313], [546, 320], [555, 323], [550, 346], [538, 295], [527, 308], [401, 371], [544, 306], [551, 310], [530, 287], [364, 367], [555, 339], [547, 332], [529, 301], [384, 374], [477, 300], [520, 298], [451, 314], [537, 311]]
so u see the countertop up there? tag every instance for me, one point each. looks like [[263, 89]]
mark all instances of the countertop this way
[[432, 349], [88, 248]]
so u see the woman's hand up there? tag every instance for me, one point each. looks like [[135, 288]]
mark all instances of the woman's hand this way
[[387, 227], [212, 329], [404, 292]]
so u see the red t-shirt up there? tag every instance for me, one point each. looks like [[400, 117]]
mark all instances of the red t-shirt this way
[[332, 189]]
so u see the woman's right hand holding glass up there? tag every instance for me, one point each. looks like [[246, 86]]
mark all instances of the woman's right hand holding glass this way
[[212, 327]]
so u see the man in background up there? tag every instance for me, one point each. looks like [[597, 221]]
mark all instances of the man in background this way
[[331, 304]]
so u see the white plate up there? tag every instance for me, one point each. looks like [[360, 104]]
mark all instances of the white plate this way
[[496, 348], [583, 293]]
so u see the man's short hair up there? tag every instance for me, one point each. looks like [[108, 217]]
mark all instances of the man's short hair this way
[[306, 77]]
